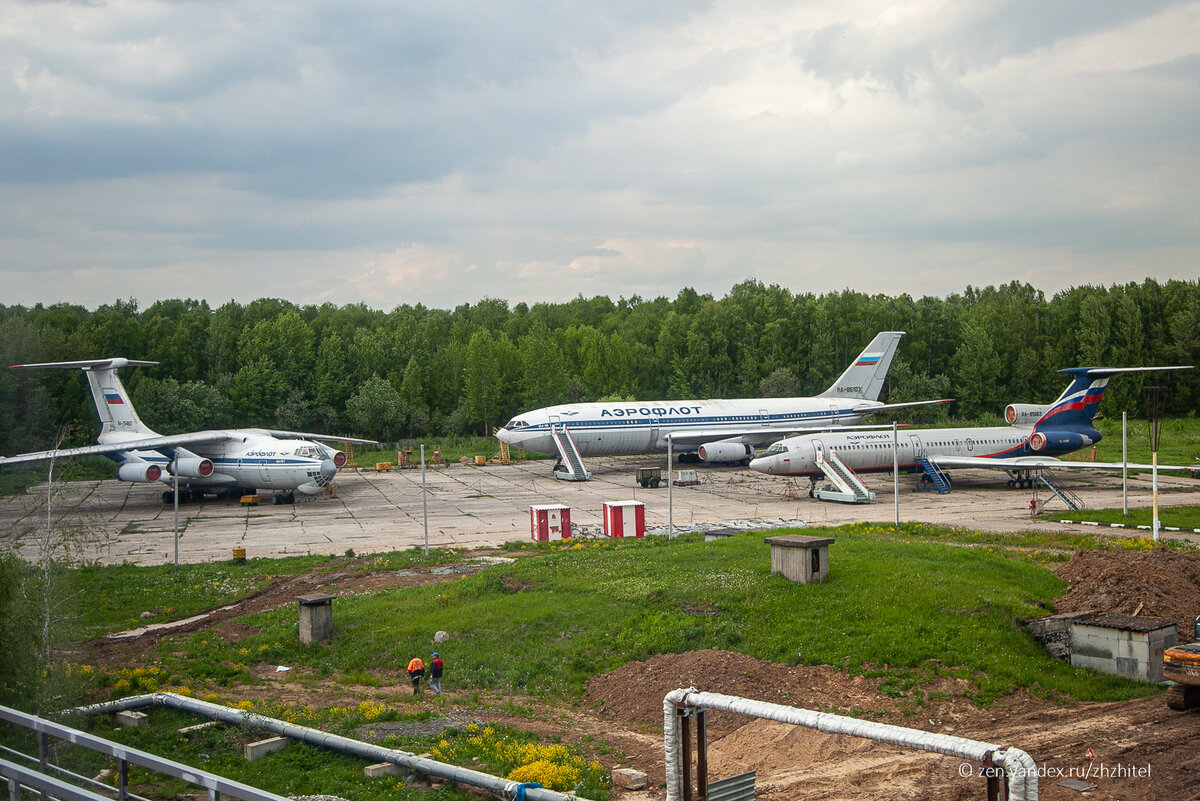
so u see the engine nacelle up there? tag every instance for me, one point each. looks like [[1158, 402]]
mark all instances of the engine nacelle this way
[[1024, 414], [1060, 441], [192, 467], [142, 472], [714, 452]]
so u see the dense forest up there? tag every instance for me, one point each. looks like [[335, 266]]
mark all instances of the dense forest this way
[[418, 371]]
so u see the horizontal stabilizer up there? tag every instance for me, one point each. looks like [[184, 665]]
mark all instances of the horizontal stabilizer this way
[[87, 364]]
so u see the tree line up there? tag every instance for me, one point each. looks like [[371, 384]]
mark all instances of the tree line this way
[[417, 371]]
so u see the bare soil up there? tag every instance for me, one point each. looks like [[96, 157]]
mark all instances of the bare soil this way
[[1132, 751]]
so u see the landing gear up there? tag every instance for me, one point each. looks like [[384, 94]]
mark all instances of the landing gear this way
[[283, 498], [1020, 480]]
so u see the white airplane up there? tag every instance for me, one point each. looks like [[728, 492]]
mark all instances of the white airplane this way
[[225, 462], [1035, 436], [717, 430]]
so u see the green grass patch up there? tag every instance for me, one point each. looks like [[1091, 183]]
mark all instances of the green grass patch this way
[[172, 592], [894, 600], [1179, 516]]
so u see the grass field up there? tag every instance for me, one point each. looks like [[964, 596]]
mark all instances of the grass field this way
[[1186, 517], [896, 597], [906, 604]]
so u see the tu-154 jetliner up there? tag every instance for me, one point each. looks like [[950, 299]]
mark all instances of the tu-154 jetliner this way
[[225, 462], [1035, 436], [717, 430]]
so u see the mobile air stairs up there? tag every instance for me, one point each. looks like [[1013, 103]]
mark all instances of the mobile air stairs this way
[[931, 477], [570, 465], [844, 486], [1073, 501]]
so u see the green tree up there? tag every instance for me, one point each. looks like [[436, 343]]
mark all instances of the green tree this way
[[376, 410], [544, 378], [781, 383]]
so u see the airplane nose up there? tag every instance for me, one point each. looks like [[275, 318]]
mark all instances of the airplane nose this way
[[504, 435], [762, 464], [328, 468]]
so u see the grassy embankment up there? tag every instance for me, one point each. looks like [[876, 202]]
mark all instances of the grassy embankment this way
[[897, 597], [896, 601]]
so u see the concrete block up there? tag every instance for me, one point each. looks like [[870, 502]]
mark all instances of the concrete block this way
[[130, 718], [629, 778], [208, 724], [385, 769], [261, 748]]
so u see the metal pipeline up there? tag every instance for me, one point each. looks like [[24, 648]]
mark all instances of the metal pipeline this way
[[335, 742], [1018, 765]]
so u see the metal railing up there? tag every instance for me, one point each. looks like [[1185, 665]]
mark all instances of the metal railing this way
[[124, 755]]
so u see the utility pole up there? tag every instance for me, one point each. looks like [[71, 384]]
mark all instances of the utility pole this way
[[1154, 396]]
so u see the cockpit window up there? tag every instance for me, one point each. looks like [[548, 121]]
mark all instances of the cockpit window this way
[[775, 449], [515, 423], [308, 451]]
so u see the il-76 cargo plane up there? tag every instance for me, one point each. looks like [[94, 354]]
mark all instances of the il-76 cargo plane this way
[[1035, 437], [718, 430], [226, 462]]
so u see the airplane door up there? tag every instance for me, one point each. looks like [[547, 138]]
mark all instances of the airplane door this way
[[833, 412], [916, 445], [818, 449]]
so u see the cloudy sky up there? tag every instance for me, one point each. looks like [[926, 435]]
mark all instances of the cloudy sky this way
[[440, 152]]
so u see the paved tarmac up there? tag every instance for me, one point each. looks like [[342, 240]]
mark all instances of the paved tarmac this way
[[471, 506]]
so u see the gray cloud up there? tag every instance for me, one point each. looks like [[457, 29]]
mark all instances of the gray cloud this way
[[441, 152]]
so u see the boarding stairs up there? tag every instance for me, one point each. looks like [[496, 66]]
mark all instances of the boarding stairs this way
[[932, 477], [844, 486], [571, 467], [1073, 501]]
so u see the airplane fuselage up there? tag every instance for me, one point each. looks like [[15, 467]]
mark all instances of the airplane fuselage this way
[[249, 459], [635, 427], [871, 451]]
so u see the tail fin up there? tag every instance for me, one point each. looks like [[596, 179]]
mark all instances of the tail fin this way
[[864, 378], [1076, 407], [117, 415]]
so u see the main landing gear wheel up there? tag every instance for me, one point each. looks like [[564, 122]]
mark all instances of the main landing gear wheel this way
[[285, 498]]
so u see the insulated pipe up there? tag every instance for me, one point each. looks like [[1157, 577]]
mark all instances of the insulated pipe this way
[[1018, 765], [336, 742]]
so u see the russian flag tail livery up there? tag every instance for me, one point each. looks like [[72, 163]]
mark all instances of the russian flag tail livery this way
[[1076, 407], [112, 401], [863, 379]]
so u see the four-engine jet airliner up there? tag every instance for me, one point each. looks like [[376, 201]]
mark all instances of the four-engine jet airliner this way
[[226, 462], [718, 430], [1035, 436]]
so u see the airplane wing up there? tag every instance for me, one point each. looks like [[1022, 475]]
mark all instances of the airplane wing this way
[[1042, 463], [883, 406], [141, 444], [760, 436], [319, 437]]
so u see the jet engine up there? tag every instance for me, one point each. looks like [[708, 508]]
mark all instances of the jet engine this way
[[139, 471], [1024, 414], [192, 467], [715, 452], [1060, 441]]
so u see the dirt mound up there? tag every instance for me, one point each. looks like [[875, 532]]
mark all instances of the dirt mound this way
[[1165, 583], [633, 694]]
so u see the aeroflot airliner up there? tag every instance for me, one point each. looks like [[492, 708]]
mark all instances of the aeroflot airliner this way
[[227, 462], [1035, 437], [717, 430]]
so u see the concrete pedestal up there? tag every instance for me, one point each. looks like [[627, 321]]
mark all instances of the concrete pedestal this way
[[316, 617], [799, 558]]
